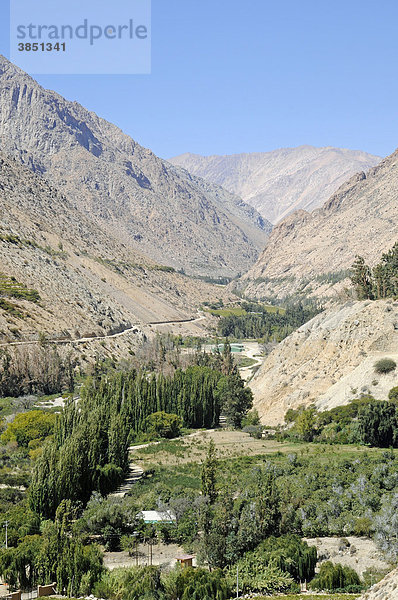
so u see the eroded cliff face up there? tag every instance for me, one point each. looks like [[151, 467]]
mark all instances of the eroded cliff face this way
[[329, 360]]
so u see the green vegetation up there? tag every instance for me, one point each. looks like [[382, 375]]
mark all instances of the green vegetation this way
[[164, 425], [379, 282], [336, 577], [363, 421], [333, 277], [90, 447], [163, 268], [12, 309], [10, 288], [385, 365], [276, 565], [52, 556], [32, 426], [17, 241], [256, 320], [148, 583]]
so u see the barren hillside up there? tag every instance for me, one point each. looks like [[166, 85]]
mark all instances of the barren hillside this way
[[308, 251], [329, 360], [62, 275], [152, 207]]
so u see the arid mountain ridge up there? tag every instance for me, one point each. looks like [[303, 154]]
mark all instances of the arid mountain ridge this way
[[89, 284], [308, 252], [279, 182], [150, 206]]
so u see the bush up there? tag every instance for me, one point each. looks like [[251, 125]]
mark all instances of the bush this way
[[165, 425], [393, 394], [198, 583], [33, 425], [385, 365], [135, 583], [336, 577]]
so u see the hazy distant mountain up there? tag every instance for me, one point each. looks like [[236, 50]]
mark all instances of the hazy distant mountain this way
[[155, 208], [360, 218], [279, 182]]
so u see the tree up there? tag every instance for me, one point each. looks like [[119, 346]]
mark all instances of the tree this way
[[209, 474], [386, 527], [336, 577], [163, 424], [361, 277], [228, 365], [32, 425], [306, 424], [393, 394], [378, 424], [198, 584], [235, 399], [136, 583]]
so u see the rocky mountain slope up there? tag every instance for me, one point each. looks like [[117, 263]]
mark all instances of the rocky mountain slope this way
[[151, 206], [62, 275], [329, 360], [279, 182], [386, 589], [308, 251]]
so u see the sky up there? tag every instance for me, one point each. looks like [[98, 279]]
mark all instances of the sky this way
[[233, 76]]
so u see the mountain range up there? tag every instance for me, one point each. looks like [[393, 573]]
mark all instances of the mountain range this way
[[150, 206], [309, 253], [279, 182]]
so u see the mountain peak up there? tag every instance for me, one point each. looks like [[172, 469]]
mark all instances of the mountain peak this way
[[153, 207]]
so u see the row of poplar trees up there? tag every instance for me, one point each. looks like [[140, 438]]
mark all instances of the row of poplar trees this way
[[89, 449]]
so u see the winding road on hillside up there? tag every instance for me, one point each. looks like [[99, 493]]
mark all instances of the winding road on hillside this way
[[82, 340]]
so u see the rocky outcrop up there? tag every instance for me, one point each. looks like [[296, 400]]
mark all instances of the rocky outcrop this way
[[308, 252], [386, 589], [151, 206], [329, 360], [282, 181]]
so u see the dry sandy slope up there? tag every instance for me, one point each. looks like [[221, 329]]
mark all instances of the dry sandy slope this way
[[386, 589], [360, 555], [329, 360]]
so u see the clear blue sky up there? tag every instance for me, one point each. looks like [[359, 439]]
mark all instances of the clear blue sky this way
[[234, 76]]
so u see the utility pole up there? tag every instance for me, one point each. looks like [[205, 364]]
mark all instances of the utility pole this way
[[6, 523], [237, 581]]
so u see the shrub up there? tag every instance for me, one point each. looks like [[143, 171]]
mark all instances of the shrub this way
[[393, 394], [135, 583], [162, 424], [33, 425], [385, 365], [336, 577], [198, 583]]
